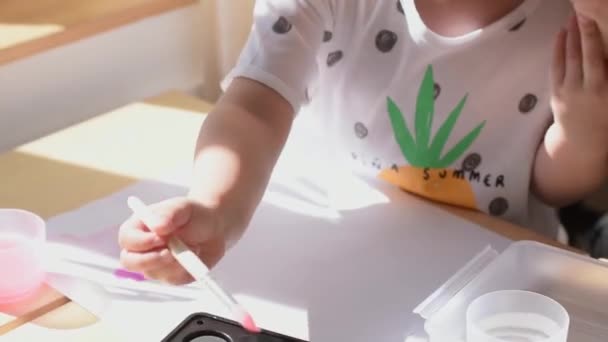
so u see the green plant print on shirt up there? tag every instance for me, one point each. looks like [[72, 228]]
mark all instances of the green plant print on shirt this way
[[420, 150]]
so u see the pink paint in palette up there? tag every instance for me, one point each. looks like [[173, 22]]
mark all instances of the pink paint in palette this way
[[22, 237]]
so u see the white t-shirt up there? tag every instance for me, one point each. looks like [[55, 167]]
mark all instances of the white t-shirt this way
[[453, 119]]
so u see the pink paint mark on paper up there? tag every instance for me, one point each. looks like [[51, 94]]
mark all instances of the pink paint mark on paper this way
[[122, 273]]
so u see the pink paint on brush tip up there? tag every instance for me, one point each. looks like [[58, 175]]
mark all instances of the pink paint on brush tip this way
[[122, 273], [249, 324], [246, 320]]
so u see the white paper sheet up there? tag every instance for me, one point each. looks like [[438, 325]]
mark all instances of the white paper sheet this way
[[309, 266], [326, 258]]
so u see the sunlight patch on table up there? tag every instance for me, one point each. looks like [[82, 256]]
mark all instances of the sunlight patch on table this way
[[14, 34], [142, 141]]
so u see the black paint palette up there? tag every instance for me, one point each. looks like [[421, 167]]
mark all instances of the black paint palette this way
[[203, 327]]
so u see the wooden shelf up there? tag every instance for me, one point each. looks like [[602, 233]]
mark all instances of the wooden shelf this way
[[30, 27]]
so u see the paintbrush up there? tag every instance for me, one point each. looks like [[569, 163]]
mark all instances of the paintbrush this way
[[197, 269]]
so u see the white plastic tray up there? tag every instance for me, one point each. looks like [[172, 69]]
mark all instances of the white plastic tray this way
[[578, 282]]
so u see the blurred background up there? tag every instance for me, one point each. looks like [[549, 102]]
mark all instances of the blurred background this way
[[63, 61]]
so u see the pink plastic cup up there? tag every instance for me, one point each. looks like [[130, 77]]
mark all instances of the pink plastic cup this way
[[22, 238]]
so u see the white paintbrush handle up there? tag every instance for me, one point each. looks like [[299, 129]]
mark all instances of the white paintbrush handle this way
[[199, 271], [185, 256]]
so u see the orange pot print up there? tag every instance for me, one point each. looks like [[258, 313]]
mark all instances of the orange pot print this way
[[442, 185]]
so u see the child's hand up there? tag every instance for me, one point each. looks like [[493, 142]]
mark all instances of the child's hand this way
[[146, 251], [580, 89], [596, 10]]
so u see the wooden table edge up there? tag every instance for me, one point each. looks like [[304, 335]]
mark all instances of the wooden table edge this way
[[33, 315], [90, 28], [504, 228]]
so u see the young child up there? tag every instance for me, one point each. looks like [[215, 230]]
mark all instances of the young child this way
[[473, 103]]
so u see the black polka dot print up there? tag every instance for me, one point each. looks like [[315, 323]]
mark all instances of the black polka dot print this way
[[281, 26], [517, 26], [386, 40], [377, 164], [471, 162], [334, 58], [498, 206], [528, 103], [327, 36], [360, 130], [400, 7], [436, 90]]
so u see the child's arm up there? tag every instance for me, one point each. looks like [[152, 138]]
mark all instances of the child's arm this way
[[237, 149], [241, 140], [573, 159], [238, 144]]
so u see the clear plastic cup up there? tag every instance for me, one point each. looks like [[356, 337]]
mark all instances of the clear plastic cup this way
[[22, 238], [514, 315]]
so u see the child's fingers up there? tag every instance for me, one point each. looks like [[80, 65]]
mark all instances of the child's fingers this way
[[559, 59], [574, 67], [171, 215], [134, 236], [142, 262], [594, 68], [172, 273]]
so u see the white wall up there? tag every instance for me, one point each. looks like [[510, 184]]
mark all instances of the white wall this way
[[54, 89], [234, 25], [227, 25]]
